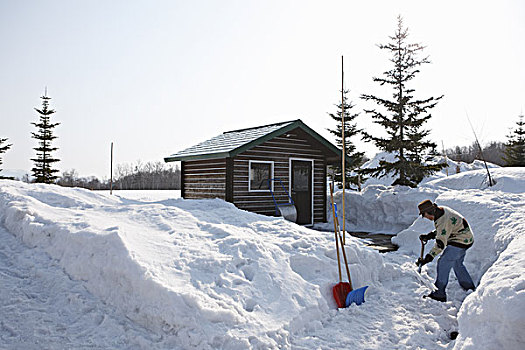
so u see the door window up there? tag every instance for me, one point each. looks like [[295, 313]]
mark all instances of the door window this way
[[301, 177]]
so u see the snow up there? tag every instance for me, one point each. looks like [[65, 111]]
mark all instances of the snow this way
[[149, 270], [452, 168], [15, 173]]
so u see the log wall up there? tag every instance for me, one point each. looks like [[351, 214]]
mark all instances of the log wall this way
[[279, 150], [228, 178], [204, 179]]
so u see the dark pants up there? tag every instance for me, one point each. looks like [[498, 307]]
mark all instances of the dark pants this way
[[452, 258]]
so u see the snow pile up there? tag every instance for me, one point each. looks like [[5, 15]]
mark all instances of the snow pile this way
[[379, 208], [497, 309], [201, 274], [497, 258], [452, 168], [504, 179]]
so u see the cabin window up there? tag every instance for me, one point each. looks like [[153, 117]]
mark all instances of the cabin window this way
[[260, 173]]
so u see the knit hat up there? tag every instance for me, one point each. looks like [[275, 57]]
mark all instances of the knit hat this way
[[426, 206]]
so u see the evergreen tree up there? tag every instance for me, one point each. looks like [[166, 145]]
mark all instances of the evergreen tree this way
[[43, 172], [404, 116], [351, 130], [515, 146], [3, 148]]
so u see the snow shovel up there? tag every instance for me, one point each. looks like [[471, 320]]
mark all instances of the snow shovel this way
[[343, 292], [286, 210], [422, 252], [356, 296]]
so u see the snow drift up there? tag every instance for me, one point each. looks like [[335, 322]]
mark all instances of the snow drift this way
[[203, 274]]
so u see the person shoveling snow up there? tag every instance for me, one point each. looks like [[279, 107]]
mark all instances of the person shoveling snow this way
[[453, 236]]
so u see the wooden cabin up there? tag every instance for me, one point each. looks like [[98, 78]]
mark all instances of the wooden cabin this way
[[238, 166]]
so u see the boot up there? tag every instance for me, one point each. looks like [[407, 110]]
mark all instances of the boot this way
[[436, 297]]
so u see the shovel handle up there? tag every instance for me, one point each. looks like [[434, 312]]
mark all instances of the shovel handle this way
[[421, 255], [346, 262], [336, 230]]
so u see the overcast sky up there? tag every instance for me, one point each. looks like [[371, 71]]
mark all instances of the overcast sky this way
[[155, 77]]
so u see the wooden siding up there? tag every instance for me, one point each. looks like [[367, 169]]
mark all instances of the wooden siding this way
[[279, 150], [204, 179], [227, 178]]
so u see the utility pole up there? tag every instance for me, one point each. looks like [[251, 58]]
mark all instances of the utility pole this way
[[111, 172]]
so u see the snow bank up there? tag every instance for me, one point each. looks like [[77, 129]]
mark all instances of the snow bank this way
[[492, 317], [506, 180], [202, 273], [379, 208], [496, 260], [496, 217], [452, 168]]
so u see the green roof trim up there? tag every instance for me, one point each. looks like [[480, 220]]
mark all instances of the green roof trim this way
[[175, 158], [218, 147]]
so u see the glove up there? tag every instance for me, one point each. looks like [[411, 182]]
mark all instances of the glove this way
[[428, 258], [427, 237]]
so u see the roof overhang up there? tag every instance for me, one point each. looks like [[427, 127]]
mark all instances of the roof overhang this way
[[333, 158]]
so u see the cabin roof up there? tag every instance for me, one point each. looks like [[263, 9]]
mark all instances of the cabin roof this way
[[231, 143]]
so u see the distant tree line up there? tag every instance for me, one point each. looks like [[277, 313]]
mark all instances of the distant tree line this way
[[493, 153], [148, 176], [139, 176]]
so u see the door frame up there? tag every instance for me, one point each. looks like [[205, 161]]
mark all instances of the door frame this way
[[290, 182]]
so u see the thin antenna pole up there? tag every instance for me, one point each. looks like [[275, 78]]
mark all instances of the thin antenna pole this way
[[344, 146], [111, 172], [480, 152]]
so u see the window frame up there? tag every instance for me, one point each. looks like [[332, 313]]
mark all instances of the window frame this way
[[250, 162]]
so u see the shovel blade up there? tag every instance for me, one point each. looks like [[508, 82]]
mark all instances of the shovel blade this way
[[288, 212], [356, 296], [340, 291]]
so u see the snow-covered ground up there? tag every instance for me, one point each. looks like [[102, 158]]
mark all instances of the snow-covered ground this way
[[83, 269], [452, 168]]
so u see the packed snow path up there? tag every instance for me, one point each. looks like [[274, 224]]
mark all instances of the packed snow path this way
[[205, 275]]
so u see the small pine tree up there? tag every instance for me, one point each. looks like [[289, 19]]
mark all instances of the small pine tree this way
[[43, 172], [3, 148], [351, 130], [404, 117], [515, 146]]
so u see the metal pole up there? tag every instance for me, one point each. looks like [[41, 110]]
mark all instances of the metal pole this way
[[111, 172], [343, 138]]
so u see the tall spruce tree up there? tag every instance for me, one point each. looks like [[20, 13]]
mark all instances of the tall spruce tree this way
[[3, 148], [515, 145], [351, 130], [43, 171], [403, 116]]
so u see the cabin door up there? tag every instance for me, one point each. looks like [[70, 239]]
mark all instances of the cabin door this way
[[301, 189]]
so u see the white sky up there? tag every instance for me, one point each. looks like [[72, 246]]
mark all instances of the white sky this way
[[157, 77]]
